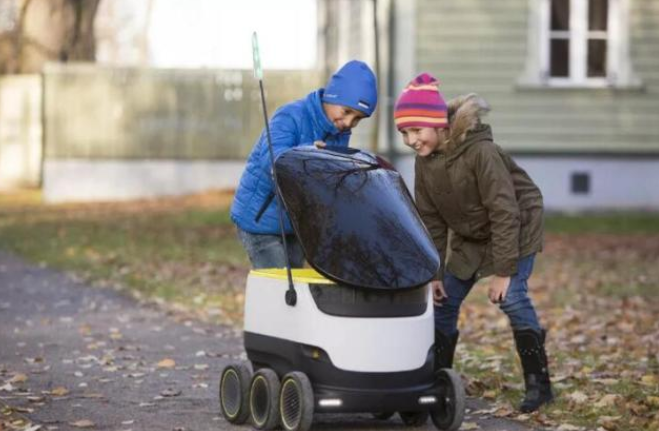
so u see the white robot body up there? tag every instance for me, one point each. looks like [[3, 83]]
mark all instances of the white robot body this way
[[361, 344]]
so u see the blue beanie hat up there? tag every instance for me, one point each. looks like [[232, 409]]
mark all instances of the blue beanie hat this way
[[354, 86]]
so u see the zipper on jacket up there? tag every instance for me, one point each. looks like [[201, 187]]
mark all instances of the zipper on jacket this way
[[265, 205]]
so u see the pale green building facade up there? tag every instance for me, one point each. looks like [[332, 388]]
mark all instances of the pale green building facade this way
[[573, 85]]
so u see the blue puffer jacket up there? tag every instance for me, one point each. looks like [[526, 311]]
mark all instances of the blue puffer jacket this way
[[302, 122]]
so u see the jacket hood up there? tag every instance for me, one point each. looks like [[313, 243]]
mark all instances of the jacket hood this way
[[465, 113]]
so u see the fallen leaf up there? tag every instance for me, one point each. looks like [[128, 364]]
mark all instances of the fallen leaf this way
[[18, 378], [7, 387], [607, 400], [93, 396], [636, 408], [503, 412], [470, 426], [490, 395], [59, 391], [649, 380], [84, 423], [578, 397], [607, 382], [169, 392], [167, 363], [652, 401], [22, 409], [608, 422]]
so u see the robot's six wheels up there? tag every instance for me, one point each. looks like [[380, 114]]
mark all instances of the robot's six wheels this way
[[292, 402], [263, 399], [448, 414], [296, 402], [234, 388]]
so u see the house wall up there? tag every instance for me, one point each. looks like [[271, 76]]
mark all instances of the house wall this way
[[614, 184], [610, 135], [481, 45]]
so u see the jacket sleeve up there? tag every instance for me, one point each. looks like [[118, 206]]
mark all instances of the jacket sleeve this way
[[497, 192], [284, 136], [432, 219]]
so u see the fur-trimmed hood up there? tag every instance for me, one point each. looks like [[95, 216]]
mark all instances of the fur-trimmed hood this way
[[464, 113], [477, 192]]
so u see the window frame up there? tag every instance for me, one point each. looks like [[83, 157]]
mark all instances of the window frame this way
[[619, 71]]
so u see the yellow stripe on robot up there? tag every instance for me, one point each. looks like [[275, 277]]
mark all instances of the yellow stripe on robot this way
[[300, 275]]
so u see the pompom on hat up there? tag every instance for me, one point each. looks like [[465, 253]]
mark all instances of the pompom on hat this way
[[421, 104]]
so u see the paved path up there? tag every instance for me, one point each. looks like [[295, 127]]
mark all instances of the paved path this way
[[76, 357]]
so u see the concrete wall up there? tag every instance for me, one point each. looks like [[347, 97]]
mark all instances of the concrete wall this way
[[20, 131], [94, 112], [71, 180], [126, 133]]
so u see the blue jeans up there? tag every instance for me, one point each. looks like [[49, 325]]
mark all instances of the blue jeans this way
[[267, 251], [517, 305]]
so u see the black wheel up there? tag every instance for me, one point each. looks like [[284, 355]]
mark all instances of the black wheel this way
[[448, 413], [383, 416], [263, 399], [296, 402], [414, 419], [234, 390]]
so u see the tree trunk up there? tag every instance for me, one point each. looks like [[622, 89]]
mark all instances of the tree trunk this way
[[48, 30]]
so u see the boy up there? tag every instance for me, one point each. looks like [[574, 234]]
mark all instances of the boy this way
[[485, 216], [325, 116]]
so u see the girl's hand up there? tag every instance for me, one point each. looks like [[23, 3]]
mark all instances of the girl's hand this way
[[438, 292], [320, 144], [498, 289]]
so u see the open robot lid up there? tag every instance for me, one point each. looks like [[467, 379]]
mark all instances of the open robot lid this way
[[355, 218]]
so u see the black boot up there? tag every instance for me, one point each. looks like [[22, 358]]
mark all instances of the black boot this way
[[531, 350], [445, 349]]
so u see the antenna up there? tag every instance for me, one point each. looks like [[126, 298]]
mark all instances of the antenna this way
[[291, 295]]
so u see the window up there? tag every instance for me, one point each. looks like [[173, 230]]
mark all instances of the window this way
[[579, 43], [580, 183]]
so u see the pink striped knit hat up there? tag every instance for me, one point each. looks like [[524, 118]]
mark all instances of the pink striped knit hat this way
[[421, 104]]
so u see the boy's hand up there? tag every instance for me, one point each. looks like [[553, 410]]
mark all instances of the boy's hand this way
[[498, 289], [438, 292], [320, 144]]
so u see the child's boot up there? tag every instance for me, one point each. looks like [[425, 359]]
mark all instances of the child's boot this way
[[445, 349], [531, 350]]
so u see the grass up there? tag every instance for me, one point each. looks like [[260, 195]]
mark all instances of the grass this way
[[173, 250], [595, 287], [617, 223]]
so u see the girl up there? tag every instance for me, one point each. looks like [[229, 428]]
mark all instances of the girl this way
[[485, 216]]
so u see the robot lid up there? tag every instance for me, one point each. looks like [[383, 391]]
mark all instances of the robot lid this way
[[355, 218]]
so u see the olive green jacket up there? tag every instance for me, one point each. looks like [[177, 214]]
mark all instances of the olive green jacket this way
[[483, 211]]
